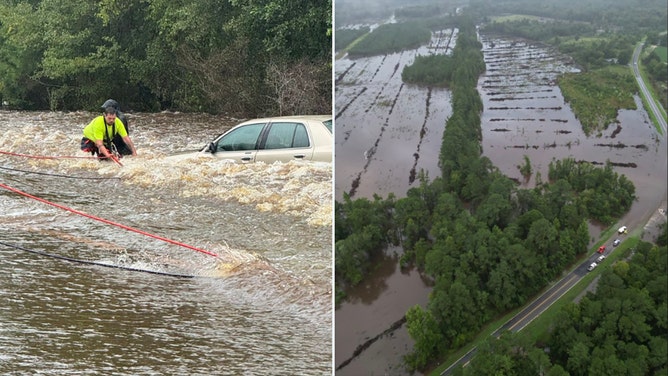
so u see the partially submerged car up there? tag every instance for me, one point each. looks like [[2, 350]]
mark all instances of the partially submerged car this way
[[282, 139]]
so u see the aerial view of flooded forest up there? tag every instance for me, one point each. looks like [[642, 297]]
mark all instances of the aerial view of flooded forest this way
[[487, 151]]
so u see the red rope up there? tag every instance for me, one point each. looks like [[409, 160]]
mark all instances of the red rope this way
[[55, 157], [107, 221]]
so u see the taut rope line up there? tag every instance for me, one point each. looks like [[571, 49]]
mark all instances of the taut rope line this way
[[107, 221]]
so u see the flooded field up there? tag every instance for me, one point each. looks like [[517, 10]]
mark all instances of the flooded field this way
[[387, 130], [525, 114], [257, 302], [386, 133]]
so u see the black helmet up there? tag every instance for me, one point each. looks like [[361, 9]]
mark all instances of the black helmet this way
[[111, 103]]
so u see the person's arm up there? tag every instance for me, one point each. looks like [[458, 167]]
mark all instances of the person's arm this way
[[129, 143], [102, 149]]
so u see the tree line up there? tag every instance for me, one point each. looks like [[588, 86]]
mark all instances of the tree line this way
[[240, 57], [620, 329], [487, 245], [388, 38]]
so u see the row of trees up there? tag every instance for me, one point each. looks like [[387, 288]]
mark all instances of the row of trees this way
[[618, 330], [430, 70], [344, 37], [388, 38], [238, 56]]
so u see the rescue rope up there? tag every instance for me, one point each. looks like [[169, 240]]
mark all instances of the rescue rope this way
[[113, 157], [88, 262], [58, 175], [180, 244]]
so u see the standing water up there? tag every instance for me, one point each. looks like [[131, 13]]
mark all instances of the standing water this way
[[261, 305], [387, 132]]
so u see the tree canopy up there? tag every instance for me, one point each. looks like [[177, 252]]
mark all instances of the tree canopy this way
[[235, 56]]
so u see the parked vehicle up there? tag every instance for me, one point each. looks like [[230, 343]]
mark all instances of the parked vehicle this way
[[600, 258], [284, 138], [591, 266], [616, 242], [622, 230], [601, 249]]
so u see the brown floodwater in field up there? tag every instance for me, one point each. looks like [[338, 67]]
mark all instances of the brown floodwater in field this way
[[387, 132], [379, 124], [525, 114], [263, 305]]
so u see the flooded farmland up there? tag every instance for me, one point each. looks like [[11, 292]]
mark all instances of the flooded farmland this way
[[525, 114], [133, 304], [380, 136], [386, 133]]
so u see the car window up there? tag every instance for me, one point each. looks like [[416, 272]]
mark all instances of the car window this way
[[285, 135], [242, 138], [328, 124]]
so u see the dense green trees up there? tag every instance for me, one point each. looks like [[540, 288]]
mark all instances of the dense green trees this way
[[431, 70], [607, 15], [235, 56], [618, 330], [603, 193], [363, 227], [388, 38]]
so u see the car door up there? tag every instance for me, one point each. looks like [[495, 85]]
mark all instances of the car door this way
[[285, 141], [240, 143]]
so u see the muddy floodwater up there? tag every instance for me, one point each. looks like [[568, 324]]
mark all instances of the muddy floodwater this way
[[525, 114], [387, 131], [257, 302]]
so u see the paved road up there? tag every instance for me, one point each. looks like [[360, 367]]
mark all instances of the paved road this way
[[652, 103], [534, 309]]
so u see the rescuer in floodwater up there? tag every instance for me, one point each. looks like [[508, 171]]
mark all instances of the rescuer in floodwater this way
[[99, 134]]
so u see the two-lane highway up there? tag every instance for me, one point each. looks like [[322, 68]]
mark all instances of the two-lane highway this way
[[653, 106], [534, 309]]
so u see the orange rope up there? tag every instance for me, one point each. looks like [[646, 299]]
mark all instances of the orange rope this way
[[107, 221], [55, 157]]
